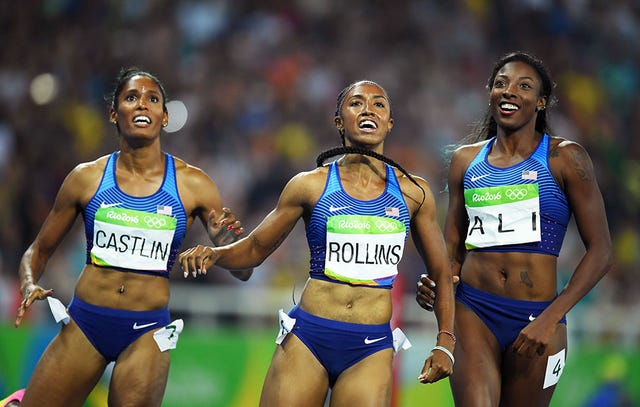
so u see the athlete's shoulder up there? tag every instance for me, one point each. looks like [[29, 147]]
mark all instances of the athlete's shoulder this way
[[466, 150], [462, 156], [565, 151], [310, 178], [89, 169]]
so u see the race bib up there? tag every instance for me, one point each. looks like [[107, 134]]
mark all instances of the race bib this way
[[167, 338], [502, 215], [555, 367], [132, 239], [364, 250]]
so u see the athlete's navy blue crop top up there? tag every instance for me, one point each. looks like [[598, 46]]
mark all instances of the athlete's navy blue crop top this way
[[378, 230], [533, 172], [136, 234]]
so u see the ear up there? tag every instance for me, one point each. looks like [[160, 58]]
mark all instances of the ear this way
[[339, 124], [113, 116], [165, 119], [542, 104]]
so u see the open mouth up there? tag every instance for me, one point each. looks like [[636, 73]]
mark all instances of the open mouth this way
[[142, 120], [509, 107], [367, 125]]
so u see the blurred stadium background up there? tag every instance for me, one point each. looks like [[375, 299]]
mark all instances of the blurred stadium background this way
[[258, 82]]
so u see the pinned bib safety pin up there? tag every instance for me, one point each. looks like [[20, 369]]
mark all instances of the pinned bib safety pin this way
[[58, 310]]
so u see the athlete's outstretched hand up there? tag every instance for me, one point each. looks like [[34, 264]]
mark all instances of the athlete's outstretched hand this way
[[197, 260], [223, 228], [30, 293]]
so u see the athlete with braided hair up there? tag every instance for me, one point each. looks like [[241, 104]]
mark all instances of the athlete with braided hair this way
[[358, 211]]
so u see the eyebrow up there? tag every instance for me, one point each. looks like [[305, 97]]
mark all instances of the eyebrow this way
[[520, 77], [360, 96]]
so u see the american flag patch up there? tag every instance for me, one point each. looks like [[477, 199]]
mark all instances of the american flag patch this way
[[531, 175], [164, 210], [390, 211]]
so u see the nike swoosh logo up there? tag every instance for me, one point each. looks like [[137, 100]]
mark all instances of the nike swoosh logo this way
[[136, 326], [368, 341], [338, 208], [111, 205], [531, 317], [474, 178]]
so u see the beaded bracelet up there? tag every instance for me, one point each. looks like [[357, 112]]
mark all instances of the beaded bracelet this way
[[442, 331], [446, 351]]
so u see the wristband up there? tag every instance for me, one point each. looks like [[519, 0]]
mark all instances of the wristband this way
[[446, 351], [443, 331]]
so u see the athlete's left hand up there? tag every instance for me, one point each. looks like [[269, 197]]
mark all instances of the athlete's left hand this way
[[534, 338], [223, 228]]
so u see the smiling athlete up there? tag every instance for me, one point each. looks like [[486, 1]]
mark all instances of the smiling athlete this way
[[511, 196]]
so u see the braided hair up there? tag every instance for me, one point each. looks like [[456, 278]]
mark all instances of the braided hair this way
[[322, 157]]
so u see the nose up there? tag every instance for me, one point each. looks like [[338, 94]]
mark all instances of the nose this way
[[367, 108], [142, 103], [509, 89]]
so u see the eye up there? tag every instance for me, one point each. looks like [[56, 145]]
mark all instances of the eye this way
[[355, 102], [499, 83], [525, 85], [380, 105], [154, 99], [130, 98]]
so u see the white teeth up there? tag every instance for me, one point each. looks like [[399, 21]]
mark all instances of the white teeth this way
[[508, 106], [141, 119], [368, 123]]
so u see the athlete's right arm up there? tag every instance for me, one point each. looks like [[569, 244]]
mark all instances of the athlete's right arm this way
[[67, 205], [253, 249]]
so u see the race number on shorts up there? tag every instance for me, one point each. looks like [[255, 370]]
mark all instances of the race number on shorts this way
[[167, 337], [555, 366]]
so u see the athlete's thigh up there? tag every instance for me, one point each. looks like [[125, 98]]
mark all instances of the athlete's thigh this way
[[475, 381], [67, 371], [524, 378], [295, 377], [140, 374], [365, 384]]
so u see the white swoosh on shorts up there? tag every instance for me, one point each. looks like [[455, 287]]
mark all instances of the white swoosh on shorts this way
[[368, 341], [136, 326]]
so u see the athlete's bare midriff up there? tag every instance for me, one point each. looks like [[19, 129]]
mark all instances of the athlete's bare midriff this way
[[110, 288], [521, 276], [341, 302]]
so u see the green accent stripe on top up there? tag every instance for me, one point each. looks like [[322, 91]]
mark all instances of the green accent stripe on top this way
[[491, 196], [136, 219], [364, 224]]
